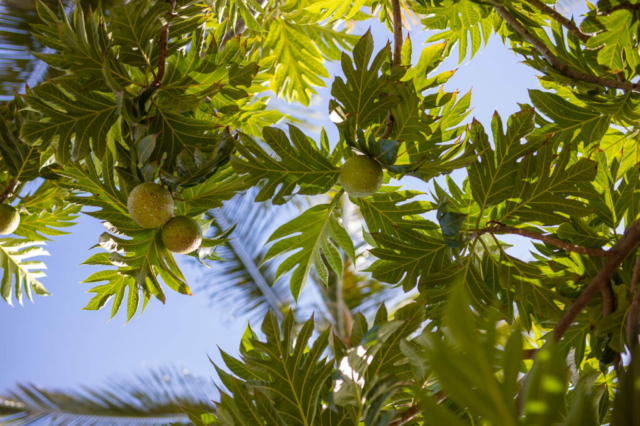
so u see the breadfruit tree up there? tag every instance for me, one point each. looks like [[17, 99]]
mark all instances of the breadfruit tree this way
[[157, 117]]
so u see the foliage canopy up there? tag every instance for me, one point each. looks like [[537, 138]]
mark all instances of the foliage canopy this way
[[176, 92]]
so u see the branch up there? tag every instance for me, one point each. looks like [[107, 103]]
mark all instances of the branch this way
[[622, 6], [397, 56], [502, 229], [557, 64], [8, 191], [635, 277], [163, 46], [568, 24], [622, 249], [407, 416], [634, 309], [632, 322]]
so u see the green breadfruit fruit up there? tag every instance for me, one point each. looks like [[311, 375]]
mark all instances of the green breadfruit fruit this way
[[150, 205], [9, 219], [361, 176], [182, 235]]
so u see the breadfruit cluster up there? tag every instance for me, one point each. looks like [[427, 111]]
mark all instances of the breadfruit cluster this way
[[151, 206]]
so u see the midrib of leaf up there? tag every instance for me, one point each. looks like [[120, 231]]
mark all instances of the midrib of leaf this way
[[332, 206], [501, 163], [395, 341], [578, 124], [100, 64], [380, 212], [537, 183], [24, 162], [289, 381], [419, 259], [136, 41]]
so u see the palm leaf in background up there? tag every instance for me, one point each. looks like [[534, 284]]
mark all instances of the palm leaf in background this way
[[241, 281], [246, 285], [157, 397]]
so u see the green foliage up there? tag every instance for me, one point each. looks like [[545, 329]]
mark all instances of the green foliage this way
[[301, 165], [176, 93], [320, 237]]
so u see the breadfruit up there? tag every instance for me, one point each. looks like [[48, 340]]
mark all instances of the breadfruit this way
[[361, 176], [182, 235], [150, 205], [9, 219]]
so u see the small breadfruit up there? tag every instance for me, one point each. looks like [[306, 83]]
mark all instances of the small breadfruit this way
[[182, 235], [9, 219], [150, 205], [361, 176]]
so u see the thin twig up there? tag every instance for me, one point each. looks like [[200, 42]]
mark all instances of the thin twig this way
[[607, 299], [557, 64], [397, 56], [568, 24], [622, 249], [502, 229]]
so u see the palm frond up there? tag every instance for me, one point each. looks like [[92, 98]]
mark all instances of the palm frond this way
[[240, 281], [156, 397]]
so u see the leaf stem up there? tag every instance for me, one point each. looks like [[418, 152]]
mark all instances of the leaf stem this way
[[568, 24], [622, 249], [559, 65], [503, 229], [397, 56]]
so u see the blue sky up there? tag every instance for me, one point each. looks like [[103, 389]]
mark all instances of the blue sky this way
[[52, 342]]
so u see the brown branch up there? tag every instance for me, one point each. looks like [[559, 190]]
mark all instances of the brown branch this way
[[163, 46], [557, 64], [397, 56], [568, 24], [502, 229], [622, 249], [8, 191], [623, 6], [632, 322], [635, 277], [407, 416], [397, 33]]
